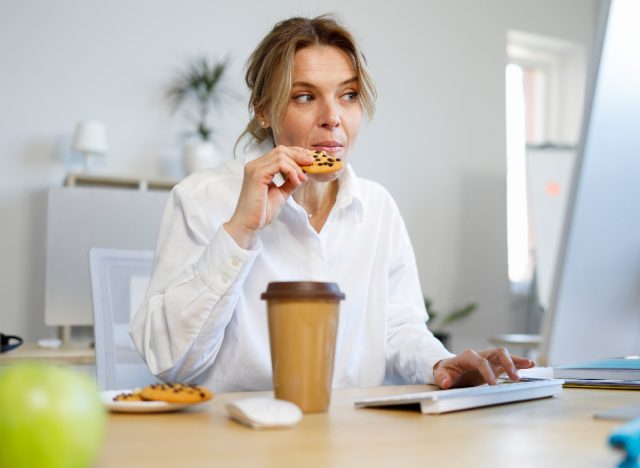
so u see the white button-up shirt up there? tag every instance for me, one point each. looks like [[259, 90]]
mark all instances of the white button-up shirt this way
[[203, 320]]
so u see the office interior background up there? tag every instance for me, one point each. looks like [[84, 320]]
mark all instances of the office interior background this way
[[438, 141]]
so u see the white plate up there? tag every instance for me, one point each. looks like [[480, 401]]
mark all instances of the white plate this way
[[139, 406]]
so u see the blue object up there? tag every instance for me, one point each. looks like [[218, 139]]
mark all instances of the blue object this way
[[627, 438]]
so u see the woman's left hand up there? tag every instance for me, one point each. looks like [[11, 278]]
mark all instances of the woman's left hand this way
[[477, 367]]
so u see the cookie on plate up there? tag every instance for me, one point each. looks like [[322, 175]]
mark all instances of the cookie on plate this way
[[135, 396], [176, 393], [323, 164]]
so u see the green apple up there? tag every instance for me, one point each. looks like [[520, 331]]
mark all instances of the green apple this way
[[50, 417]]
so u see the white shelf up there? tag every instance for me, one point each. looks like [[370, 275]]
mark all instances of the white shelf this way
[[136, 183], [68, 353]]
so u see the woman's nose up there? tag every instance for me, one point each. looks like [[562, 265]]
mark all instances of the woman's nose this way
[[330, 116], [332, 122]]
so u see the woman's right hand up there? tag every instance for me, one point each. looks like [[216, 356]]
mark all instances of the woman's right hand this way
[[260, 199]]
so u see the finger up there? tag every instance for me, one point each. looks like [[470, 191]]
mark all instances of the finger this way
[[292, 183], [279, 153], [293, 174], [505, 361], [297, 157], [266, 170], [441, 376], [498, 370], [487, 372], [443, 379], [483, 366], [302, 156], [288, 188], [260, 171], [522, 362]]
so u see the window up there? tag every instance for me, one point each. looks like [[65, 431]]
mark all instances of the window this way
[[544, 81], [520, 264]]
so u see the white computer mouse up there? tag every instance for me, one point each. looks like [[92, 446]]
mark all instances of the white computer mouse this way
[[265, 412]]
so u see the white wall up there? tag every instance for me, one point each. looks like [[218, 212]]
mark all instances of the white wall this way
[[439, 67]]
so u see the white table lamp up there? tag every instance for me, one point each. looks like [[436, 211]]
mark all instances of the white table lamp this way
[[90, 139]]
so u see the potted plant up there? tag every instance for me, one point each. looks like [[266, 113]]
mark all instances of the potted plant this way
[[438, 322], [200, 85]]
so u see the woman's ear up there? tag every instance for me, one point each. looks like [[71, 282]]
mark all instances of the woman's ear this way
[[262, 119]]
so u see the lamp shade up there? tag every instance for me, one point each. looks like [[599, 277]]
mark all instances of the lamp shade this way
[[90, 137]]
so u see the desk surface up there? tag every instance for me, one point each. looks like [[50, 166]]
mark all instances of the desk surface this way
[[558, 431]]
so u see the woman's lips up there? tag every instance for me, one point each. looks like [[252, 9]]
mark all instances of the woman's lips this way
[[328, 147]]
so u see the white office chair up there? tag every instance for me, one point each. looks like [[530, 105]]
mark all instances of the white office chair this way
[[119, 280]]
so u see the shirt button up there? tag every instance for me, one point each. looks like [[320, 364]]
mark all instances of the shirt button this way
[[235, 262], [225, 279]]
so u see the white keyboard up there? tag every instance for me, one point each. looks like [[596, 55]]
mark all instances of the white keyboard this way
[[444, 401]]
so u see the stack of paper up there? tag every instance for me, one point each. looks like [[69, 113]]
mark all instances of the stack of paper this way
[[618, 373]]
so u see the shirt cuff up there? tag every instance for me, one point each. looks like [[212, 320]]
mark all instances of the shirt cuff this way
[[224, 264]]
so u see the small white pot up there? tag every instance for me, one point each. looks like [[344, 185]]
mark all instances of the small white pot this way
[[199, 155]]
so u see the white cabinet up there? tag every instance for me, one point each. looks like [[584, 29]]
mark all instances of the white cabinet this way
[[94, 211]]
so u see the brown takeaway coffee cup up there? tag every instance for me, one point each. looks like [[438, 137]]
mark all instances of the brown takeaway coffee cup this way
[[303, 323]]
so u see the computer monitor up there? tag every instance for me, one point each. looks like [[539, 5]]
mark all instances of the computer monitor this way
[[594, 309]]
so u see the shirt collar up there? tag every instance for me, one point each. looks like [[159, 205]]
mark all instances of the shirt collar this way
[[349, 193]]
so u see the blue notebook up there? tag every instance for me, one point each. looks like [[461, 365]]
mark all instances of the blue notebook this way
[[625, 368]]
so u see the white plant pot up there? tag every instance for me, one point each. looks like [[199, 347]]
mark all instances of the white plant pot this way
[[199, 155]]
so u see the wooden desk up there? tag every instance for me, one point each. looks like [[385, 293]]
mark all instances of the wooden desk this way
[[557, 431]]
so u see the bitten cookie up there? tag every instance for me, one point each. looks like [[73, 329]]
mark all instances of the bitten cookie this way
[[323, 164], [176, 393]]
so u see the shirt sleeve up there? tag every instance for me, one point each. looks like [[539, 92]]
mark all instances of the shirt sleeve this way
[[412, 350], [197, 276]]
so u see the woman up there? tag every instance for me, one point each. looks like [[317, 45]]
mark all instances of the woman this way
[[227, 232]]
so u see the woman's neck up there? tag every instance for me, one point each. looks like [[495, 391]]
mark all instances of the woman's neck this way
[[317, 198]]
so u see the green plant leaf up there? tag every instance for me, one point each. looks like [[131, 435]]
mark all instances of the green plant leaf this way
[[448, 319], [200, 83], [459, 314]]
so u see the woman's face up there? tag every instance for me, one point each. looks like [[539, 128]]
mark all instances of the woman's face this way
[[324, 112]]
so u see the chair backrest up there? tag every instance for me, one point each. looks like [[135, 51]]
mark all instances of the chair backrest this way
[[119, 280]]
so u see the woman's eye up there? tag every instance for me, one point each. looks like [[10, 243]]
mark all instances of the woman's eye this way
[[350, 96], [302, 98]]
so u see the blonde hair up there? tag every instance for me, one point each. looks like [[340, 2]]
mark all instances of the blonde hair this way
[[270, 68]]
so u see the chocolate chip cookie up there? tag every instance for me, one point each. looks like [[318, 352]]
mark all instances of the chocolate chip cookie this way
[[323, 164], [176, 393], [134, 396]]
